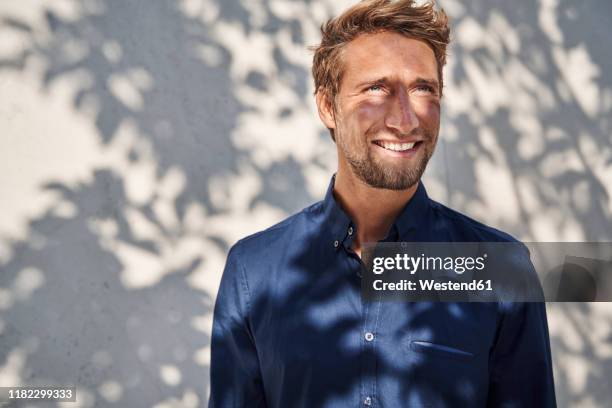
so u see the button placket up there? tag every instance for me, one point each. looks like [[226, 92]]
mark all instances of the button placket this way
[[369, 334]]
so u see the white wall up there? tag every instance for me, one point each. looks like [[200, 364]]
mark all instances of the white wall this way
[[140, 139]]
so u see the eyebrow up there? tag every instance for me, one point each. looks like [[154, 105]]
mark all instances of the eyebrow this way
[[426, 81], [381, 80], [384, 80]]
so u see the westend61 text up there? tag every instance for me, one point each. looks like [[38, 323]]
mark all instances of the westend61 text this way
[[430, 284]]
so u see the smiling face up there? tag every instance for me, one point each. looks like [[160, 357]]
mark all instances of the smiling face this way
[[386, 116]]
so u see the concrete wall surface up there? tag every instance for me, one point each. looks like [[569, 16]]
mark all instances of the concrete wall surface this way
[[140, 139]]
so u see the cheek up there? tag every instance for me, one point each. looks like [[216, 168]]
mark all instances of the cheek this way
[[428, 114], [369, 113]]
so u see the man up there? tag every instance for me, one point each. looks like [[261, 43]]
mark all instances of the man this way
[[290, 328]]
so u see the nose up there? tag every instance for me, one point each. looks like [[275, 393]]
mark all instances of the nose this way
[[401, 115]]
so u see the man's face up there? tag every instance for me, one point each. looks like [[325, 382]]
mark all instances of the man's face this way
[[387, 111]]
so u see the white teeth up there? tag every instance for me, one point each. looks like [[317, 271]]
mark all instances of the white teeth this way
[[398, 147]]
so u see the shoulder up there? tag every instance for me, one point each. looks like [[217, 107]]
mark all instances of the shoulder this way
[[265, 256], [466, 227], [278, 236]]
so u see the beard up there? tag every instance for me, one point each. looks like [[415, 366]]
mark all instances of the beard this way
[[382, 175]]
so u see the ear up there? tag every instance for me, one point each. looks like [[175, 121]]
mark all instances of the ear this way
[[326, 109]]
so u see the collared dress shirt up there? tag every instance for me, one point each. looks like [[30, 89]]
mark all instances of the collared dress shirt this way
[[291, 329]]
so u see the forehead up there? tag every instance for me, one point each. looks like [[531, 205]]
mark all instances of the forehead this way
[[388, 54]]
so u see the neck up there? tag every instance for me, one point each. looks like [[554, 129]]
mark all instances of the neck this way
[[373, 210]]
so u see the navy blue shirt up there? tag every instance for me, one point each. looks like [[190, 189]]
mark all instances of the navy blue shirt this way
[[291, 329]]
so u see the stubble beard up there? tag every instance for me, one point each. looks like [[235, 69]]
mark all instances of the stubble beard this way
[[382, 175]]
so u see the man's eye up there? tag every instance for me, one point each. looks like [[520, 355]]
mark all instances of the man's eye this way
[[375, 88], [426, 88]]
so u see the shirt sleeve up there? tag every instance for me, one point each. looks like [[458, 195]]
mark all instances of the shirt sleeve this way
[[235, 379], [520, 362]]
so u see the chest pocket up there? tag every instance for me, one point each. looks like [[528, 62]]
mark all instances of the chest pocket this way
[[440, 350]]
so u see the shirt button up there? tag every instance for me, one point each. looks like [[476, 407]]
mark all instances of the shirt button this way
[[336, 243], [367, 401], [350, 231], [369, 336]]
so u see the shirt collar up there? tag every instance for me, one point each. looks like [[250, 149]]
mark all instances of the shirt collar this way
[[414, 213], [343, 229], [335, 217]]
